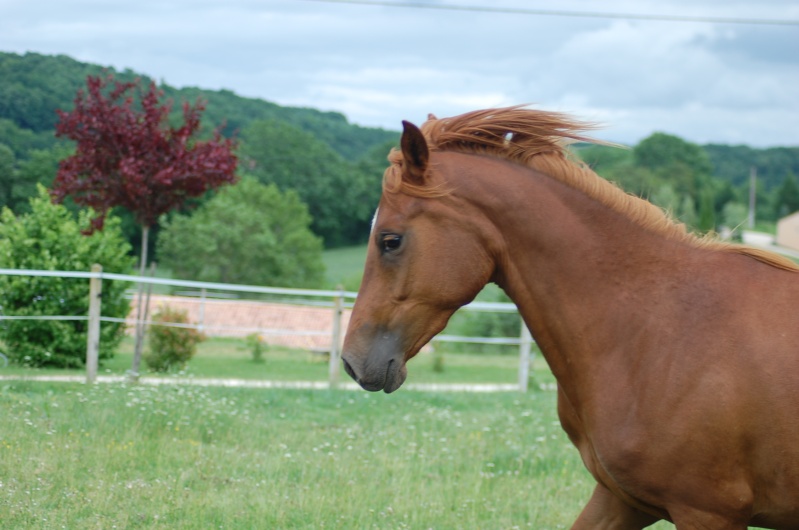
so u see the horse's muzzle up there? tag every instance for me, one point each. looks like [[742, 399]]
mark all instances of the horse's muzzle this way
[[382, 367]]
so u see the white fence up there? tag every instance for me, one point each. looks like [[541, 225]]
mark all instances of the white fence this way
[[302, 318]]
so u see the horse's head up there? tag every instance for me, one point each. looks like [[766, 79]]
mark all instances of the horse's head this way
[[427, 257]]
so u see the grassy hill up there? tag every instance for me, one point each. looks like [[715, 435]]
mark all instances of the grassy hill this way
[[33, 86]]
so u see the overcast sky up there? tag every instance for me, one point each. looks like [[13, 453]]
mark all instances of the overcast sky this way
[[377, 64]]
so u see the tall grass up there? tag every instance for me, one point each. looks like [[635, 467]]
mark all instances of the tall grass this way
[[116, 456]]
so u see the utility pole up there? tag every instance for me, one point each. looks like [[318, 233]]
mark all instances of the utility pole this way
[[752, 187]]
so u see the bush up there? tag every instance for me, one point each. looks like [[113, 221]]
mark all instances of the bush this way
[[257, 346], [49, 237], [248, 233], [171, 347]]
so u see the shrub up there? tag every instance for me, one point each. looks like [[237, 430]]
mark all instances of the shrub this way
[[257, 346], [248, 233], [49, 237], [171, 347]]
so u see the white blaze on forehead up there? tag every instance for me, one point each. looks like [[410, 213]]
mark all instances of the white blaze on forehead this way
[[374, 221]]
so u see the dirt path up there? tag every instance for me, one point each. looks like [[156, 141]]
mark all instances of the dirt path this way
[[255, 383]]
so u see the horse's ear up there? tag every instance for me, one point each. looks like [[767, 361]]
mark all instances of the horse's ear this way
[[415, 153]]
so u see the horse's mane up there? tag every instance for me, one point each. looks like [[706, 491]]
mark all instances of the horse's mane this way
[[539, 140]]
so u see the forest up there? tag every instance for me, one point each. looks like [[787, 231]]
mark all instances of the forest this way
[[332, 168]]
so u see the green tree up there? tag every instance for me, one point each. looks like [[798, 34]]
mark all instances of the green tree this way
[[786, 197], [339, 195], [661, 150], [50, 238], [248, 233], [707, 213], [687, 211], [764, 201], [8, 173], [19, 178], [683, 164], [732, 163], [600, 157], [22, 140], [665, 197], [734, 215]]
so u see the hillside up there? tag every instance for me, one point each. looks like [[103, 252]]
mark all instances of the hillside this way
[[335, 167], [33, 86]]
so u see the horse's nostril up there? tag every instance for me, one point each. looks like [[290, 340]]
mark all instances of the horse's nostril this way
[[348, 369]]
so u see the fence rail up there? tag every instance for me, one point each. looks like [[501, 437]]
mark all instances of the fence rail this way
[[328, 331]]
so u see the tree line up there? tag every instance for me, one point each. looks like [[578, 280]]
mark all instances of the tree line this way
[[705, 187], [244, 191], [323, 157], [329, 170]]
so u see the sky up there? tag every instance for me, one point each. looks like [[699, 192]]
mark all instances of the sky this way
[[379, 64]]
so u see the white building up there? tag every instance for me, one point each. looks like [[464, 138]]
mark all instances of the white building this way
[[788, 231]]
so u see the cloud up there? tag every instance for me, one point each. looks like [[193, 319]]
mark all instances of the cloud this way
[[380, 65]]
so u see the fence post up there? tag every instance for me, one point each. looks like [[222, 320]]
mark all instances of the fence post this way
[[525, 340], [93, 340], [335, 346], [201, 323]]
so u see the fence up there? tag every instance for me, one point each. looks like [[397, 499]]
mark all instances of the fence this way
[[310, 319]]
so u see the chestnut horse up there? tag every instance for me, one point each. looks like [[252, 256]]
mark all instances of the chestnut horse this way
[[677, 357]]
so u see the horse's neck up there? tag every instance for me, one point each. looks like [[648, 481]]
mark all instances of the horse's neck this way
[[578, 271]]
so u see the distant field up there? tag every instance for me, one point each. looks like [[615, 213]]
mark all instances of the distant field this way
[[344, 266]]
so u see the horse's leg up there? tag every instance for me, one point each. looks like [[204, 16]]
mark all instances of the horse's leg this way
[[605, 511]]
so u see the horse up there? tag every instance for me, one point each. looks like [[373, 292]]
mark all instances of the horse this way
[[676, 356]]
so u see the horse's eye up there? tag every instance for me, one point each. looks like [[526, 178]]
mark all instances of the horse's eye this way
[[391, 243]]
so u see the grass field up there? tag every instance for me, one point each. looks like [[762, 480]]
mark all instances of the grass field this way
[[117, 456], [182, 456], [344, 266]]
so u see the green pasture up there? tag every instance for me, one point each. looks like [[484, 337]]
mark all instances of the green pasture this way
[[119, 456], [114, 455], [344, 266]]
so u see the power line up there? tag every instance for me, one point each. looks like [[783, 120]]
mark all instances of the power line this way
[[574, 14]]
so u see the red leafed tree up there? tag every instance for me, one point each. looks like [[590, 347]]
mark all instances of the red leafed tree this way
[[128, 155]]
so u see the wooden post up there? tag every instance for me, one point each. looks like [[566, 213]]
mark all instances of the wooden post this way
[[525, 340], [93, 340], [201, 323], [335, 346]]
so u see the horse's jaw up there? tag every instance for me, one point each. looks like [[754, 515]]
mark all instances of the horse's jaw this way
[[381, 367]]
